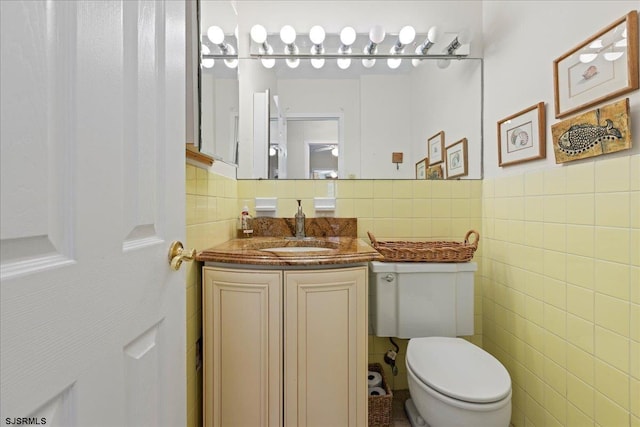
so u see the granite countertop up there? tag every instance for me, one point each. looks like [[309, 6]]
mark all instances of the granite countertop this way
[[317, 251], [332, 241]]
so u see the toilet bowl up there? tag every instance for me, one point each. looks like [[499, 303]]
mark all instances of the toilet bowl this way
[[455, 383], [452, 382]]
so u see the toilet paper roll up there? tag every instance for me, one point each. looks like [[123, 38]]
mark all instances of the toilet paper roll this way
[[374, 379], [377, 391]]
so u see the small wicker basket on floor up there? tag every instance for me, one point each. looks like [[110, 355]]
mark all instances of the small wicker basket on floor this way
[[436, 251], [380, 406]]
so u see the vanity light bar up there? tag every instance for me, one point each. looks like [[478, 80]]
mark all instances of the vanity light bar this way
[[375, 44], [317, 46], [215, 44]]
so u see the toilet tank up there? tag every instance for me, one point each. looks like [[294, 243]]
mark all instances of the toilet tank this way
[[421, 299]]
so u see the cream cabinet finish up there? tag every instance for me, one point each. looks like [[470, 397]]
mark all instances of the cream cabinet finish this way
[[325, 350], [242, 329], [312, 322]]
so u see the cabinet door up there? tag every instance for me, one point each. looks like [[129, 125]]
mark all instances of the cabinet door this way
[[326, 347], [242, 330]]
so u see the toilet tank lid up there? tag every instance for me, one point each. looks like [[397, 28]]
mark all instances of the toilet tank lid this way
[[458, 369]]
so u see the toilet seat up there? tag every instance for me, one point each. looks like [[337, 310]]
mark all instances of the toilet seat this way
[[458, 369]]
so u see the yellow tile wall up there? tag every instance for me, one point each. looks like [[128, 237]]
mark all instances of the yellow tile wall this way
[[211, 209], [561, 291], [558, 286], [399, 209]]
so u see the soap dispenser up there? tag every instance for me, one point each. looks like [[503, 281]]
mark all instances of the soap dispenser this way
[[300, 221], [246, 222]]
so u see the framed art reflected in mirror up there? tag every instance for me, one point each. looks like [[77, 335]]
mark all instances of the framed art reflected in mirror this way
[[421, 168], [435, 148], [456, 159], [435, 172]]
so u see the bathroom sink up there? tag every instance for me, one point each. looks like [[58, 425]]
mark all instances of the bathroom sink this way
[[296, 249], [292, 252]]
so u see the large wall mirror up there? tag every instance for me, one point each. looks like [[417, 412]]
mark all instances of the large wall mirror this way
[[278, 122]]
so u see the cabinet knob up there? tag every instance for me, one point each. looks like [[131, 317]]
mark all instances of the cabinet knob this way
[[389, 277]]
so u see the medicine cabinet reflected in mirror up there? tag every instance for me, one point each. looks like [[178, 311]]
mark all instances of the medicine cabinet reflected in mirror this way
[[330, 123]]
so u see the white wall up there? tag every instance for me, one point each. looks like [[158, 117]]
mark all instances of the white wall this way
[[320, 96], [460, 117], [522, 38], [219, 107], [385, 107]]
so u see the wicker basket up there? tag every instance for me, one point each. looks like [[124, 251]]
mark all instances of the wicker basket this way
[[436, 251], [380, 406]]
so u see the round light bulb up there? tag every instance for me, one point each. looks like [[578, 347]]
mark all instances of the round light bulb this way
[[231, 63], [433, 34], [258, 34], [293, 63], [416, 62], [394, 63], [377, 34], [288, 34], [272, 151], [215, 34], [268, 62], [344, 63], [317, 34], [585, 58], [317, 63], [443, 63], [407, 34], [347, 36], [368, 63], [207, 62], [621, 43], [612, 56], [334, 151], [596, 44]]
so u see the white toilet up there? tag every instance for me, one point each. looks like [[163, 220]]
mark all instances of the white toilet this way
[[451, 381]]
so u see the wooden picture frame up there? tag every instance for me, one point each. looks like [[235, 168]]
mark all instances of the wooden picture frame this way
[[435, 172], [435, 148], [456, 159], [421, 168], [601, 68], [607, 129], [522, 136]]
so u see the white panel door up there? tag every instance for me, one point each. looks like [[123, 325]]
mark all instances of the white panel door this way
[[92, 185]]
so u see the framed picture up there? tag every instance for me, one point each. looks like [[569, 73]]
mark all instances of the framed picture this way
[[421, 168], [435, 172], [522, 136], [456, 159], [435, 148], [605, 130], [602, 67]]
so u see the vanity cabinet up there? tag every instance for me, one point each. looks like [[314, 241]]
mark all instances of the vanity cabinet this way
[[285, 347]]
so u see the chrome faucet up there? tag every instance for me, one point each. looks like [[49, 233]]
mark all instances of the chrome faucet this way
[[300, 222]]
